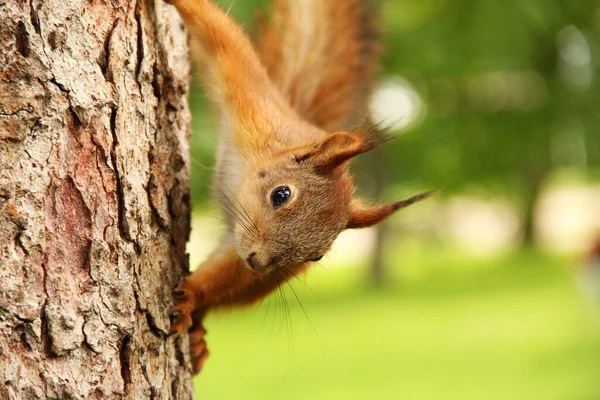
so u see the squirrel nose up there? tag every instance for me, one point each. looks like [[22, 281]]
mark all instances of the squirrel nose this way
[[253, 262], [256, 265]]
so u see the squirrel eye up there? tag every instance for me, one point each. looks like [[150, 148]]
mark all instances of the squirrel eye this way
[[280, 196]]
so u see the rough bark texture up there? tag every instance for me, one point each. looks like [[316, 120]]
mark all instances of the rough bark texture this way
[[94, 204]]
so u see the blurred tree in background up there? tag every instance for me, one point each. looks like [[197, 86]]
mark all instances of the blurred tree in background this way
[[505, 90], [508, 94]]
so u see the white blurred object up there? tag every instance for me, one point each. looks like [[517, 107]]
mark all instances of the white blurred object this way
[[567, 218], [353, 247], [204, 237], [396, 104], [482, 227], [575, 59]]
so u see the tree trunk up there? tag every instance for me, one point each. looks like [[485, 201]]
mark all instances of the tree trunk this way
[[376, 166], [528, 220], [534, 179], [94, 203]]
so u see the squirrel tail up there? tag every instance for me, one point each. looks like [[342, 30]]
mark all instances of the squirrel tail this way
[[322, 55]]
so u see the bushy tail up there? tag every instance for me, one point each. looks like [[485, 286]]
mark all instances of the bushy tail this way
[[322, 55]]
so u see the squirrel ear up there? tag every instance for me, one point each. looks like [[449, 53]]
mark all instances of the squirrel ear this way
[[362, 216], [333, 150]]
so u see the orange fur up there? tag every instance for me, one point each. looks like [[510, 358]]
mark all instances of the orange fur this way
[[322, 55], [278, 135]]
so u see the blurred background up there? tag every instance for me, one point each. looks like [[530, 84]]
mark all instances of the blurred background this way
[[483, 291]]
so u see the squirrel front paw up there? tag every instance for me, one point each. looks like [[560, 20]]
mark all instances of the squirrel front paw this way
[[186, 315], [181, 315], [188, 308]]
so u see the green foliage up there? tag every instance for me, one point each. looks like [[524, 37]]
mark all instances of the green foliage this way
[[443, 47]]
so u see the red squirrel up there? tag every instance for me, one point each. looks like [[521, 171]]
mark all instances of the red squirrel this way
[[282, 177]]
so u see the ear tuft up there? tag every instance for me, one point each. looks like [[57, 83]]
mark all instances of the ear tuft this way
[[362, 216]]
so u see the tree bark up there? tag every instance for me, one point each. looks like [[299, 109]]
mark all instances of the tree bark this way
[[94, 201]]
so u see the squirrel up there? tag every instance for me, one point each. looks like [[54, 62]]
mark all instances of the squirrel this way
[[286, 108]]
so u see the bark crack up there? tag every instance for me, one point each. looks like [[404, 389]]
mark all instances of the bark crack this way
[[5, 314], [156, 83], [152, 187], [161, 56], [45, 330], [122, 217], [45, 335], [86, 339], [20, 244], [143, 310], [35, 21], [27, 110], [153, 327], [104, 57], [140, 44], [101, 159], [79, 117], [22, 40], [60, 86], [124, 361]]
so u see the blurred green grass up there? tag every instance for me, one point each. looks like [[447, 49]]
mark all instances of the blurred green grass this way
[[514, 328]]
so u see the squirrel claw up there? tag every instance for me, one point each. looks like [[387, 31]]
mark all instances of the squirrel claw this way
[[198, 350], [185, 315], [181, 322], [181, 315]]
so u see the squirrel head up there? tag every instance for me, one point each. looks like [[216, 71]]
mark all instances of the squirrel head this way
[[289, 211]]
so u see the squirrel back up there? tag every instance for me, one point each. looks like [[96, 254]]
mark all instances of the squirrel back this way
[[322, 55]]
